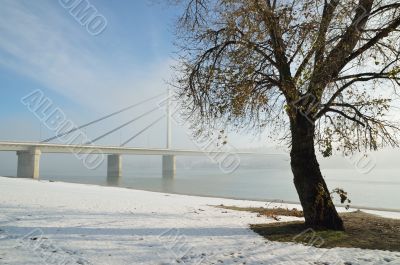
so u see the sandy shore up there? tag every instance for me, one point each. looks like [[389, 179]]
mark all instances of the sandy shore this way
[[61, 223]]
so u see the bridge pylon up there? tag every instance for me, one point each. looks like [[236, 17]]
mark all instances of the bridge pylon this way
[[168, 166], [28, 163], [114, 169]]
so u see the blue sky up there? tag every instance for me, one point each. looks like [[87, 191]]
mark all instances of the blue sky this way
[[43, 47]]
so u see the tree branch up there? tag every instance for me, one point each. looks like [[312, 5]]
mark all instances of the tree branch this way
[[382, 34], [346, 116]]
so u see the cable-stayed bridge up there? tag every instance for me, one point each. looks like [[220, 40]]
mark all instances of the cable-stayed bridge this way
[[92, 155]]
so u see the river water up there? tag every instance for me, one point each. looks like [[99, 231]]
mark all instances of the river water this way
[[378, 189]]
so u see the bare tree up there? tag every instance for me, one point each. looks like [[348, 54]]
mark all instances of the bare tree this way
[[323, 73]]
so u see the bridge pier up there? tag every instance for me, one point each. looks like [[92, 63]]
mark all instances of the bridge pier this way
[[28, 163], [114, 169], [168, 166]]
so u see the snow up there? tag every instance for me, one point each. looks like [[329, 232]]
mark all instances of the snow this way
[[62, 223]]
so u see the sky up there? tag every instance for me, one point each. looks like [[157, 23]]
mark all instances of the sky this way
[[43, 47]]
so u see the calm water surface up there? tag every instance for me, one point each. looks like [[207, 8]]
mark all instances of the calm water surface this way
[[379, 188]]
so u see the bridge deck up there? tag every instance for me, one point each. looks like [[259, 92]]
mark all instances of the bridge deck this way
[[93, 149]]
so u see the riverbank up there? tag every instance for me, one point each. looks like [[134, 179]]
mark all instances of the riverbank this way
[[63, 223]]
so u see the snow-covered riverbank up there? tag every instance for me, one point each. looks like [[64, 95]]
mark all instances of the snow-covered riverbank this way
[[60, 223]]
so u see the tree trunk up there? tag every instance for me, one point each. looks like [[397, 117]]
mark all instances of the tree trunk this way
[[315, 198]]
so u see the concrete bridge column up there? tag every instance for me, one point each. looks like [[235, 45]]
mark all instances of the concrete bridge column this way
[[114, 169], [168, 166], [28, 163]]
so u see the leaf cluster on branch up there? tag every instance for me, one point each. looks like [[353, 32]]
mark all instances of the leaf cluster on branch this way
[[258, 63]]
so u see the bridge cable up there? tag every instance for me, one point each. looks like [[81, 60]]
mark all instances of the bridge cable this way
[[142, 131], [121, 126], [100, 119]]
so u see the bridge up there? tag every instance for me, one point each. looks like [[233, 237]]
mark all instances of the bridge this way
[[29, 153]]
